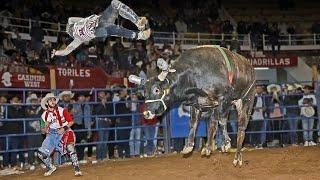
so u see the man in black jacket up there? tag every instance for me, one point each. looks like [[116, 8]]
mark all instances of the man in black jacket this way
[[123, 121], [103, 110], [292, 112]]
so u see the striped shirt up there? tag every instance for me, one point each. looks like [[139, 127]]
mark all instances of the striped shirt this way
[[84, 29]]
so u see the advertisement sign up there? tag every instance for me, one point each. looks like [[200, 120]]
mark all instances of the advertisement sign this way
[[17, 80], [75, 78], [273, 61], [180, 116]]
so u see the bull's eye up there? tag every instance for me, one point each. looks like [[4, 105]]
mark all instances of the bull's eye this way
[[156, 91]]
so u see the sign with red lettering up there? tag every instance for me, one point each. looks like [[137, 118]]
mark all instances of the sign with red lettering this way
[[16, 80], [273, 61], [75, 78]]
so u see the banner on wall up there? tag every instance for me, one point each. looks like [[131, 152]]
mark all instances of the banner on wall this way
[[273, 61], [73, 78], [17, 80], [180, 116]]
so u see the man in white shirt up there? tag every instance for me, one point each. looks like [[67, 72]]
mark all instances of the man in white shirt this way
[[85, 29]]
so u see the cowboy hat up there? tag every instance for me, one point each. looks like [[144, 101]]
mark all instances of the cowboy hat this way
[[290, 87], [46, 98], [64, 93], [271, 86], [33, 96], [307, 111], [297, 85]]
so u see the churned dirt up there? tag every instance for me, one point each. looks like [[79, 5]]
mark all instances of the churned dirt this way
[[281, 163]]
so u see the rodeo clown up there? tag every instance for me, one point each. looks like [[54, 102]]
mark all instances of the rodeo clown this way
[[85, 29], [59, 136]]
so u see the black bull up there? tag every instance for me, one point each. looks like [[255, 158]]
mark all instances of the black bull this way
[[210, 79]]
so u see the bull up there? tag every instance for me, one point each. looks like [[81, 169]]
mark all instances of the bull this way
[[209, 79]]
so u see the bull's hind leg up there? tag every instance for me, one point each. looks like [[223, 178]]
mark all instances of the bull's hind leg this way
[[244, 108], [212, 130], [194, 121], [227, 140]]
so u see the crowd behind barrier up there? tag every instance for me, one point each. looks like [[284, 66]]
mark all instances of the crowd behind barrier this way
[[109, 124]]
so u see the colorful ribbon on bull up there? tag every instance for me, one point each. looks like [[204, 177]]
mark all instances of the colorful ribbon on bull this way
[[228, 63]]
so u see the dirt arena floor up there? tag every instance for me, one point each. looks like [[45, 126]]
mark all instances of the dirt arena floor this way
[[281, 163]]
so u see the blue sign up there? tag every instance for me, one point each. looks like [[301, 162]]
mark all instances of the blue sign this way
[[179, 123]]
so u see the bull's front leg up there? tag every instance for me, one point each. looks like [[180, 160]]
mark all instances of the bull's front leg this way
[[194, 121], [212, 130]]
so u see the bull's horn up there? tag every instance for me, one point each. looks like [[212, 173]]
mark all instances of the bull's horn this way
[[162, 76], [135, 79]]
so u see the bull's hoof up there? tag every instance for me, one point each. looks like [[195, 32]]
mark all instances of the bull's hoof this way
[[205, 152], [226, 147], [187, 150], [238, 160]]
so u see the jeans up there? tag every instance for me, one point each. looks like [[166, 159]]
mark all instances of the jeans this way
[[293, 124], [103, 136], [135, 141], [106, 22], [307, 126], [149, 132], [264, 127]]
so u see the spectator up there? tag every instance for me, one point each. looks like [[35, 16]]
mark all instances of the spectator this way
[[20, 44], [45, 53], [33, 126], [307, 111], [259, 116], [3, 101], [135, 134], [103, 110], [65, 98], [292, 113], [117, 47], [274, 102], [15, 111], [149, 131], [8, 45], [177, 50], [181, 28], [82, 112], [37, 35], [123, 121]]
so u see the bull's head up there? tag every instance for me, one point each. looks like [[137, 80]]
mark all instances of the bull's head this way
[[156, 91]]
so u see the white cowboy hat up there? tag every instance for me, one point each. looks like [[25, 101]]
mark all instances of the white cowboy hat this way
[[269, 87], [139, 64], [45, 100], [63, 93], [33, 96], [297, 85], [290, 87]]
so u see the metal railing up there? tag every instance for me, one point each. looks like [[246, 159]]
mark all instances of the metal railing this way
[[165, 123], [245, 41]]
